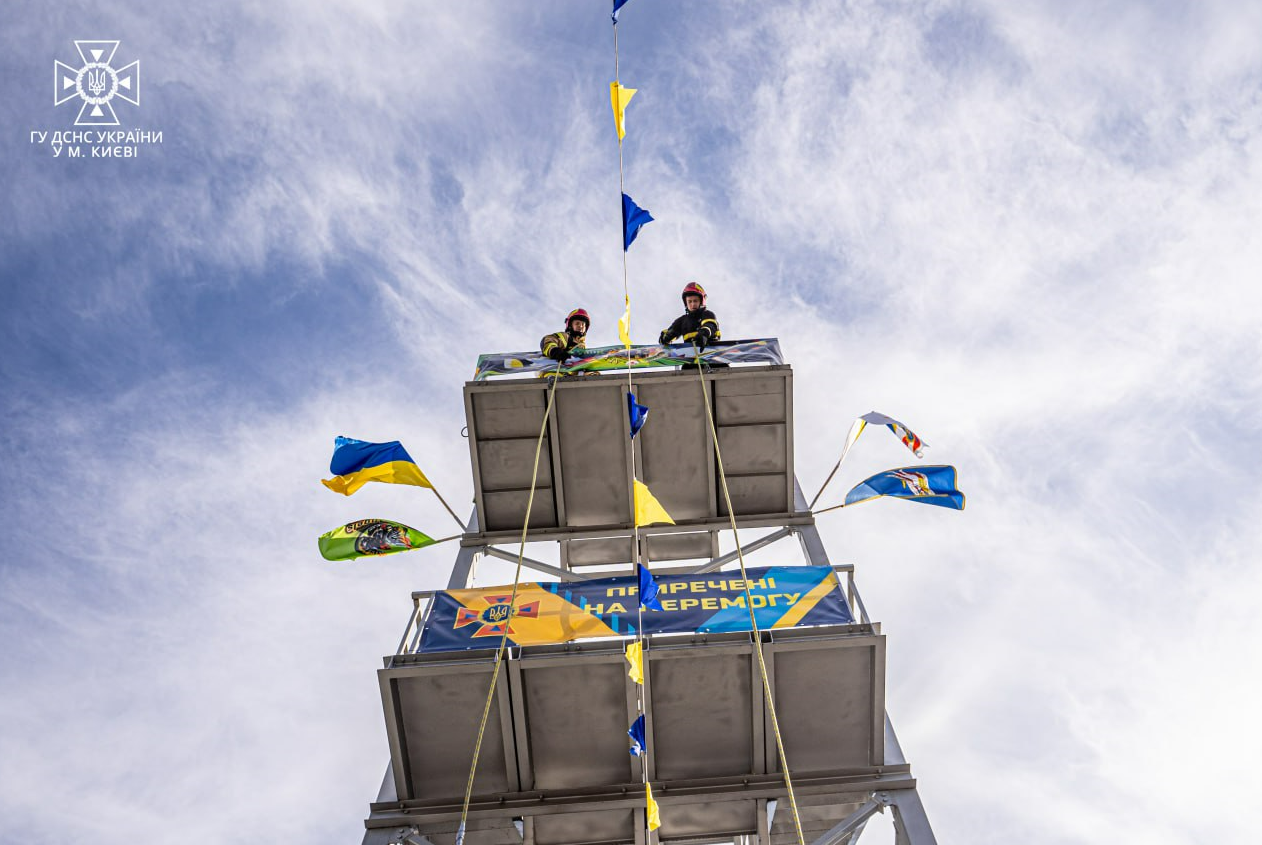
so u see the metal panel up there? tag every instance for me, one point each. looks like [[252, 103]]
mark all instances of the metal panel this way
[[839, 679], [670, 445], [508, 463], [751, 448], [755, 494], [516, 412], [590, 827], [576, 722], [682, 546], [753, 399], [587, 450], [505, 510], [599, 552], [593, 454], [430, 709], [701, 713]]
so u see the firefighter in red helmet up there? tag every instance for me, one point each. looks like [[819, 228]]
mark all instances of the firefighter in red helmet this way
[[560, 345], [697, 325]]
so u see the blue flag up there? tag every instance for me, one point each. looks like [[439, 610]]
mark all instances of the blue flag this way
[[934, 485], [618, 4], [648, 589], [636, 733], [633, 217], [638, 414]]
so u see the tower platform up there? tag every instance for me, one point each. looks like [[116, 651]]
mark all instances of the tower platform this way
[[554, 767], [582, 497]]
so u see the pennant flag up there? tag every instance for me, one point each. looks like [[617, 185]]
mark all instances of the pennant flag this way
[[624, 325], [648, 589], [618, 4], [934, 485], [648, 510], [369, 538], [902, 432], [620, 97], [651, 814], [638, 414], [635, 656], [633, 217], [636, 733], [356, 462]]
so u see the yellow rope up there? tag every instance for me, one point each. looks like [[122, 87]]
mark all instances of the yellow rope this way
[[749, 605], [512, 603]]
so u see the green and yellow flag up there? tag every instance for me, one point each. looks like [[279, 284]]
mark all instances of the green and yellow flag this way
[[369, 538]]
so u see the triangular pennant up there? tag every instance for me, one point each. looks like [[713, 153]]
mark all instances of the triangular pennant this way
[[638, 414], [648, 510], [620, 97], [633, 217]]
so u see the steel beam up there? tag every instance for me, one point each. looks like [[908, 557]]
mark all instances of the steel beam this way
[[537, 565]]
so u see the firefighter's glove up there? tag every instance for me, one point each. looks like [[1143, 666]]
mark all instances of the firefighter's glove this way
[[663, 339], [559, 354]]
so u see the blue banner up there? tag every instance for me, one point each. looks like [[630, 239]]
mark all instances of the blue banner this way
[[781, 596]]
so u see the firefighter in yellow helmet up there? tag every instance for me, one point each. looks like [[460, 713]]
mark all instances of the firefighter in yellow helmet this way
[[697, 325], [560, 345]]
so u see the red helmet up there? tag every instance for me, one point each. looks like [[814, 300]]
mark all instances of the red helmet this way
[[577, 314], [693, 289]]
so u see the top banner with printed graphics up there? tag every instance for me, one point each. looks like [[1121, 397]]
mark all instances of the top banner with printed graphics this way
[[758, 351], [782, 597]]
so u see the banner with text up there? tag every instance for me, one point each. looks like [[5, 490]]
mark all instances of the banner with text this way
[[782, 597]]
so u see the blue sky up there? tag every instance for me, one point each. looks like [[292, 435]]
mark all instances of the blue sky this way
[[1027, 230]]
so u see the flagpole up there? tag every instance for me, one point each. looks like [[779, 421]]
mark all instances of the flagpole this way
[[458, 520]]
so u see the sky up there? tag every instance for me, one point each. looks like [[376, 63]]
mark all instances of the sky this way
[[1029, 230]]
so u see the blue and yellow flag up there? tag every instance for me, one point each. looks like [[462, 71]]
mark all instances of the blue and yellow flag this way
[[356, 462], [370, 538], [933, 485], [633, 217]]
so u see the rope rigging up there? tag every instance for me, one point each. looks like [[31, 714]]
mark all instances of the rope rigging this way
[[749, 604]]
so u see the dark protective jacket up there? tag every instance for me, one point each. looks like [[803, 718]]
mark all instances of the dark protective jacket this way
[[691, 324], [564, 340]]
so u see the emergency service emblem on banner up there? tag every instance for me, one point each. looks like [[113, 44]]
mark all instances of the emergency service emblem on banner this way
[[782, 597]]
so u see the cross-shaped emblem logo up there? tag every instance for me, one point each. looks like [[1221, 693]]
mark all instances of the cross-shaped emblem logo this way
[[96, 83]]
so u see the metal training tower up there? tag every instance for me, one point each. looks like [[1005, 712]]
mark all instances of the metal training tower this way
[[723, 710]]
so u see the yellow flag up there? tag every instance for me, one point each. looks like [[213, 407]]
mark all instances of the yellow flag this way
[[620, 96], [647, 509], [635, 656], [624, 325], [650, 811]]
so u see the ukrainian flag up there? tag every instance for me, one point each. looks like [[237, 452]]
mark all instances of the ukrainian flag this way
[[356, 462]]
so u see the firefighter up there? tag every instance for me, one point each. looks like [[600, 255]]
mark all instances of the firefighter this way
[[697, 324], [560, 345]]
